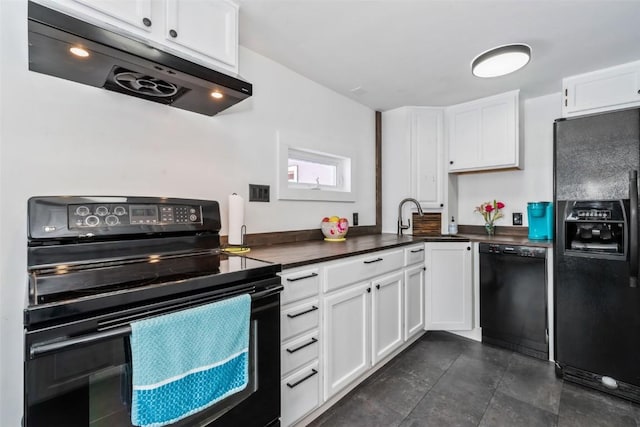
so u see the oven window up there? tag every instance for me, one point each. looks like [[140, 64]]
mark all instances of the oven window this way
[[87, 386]]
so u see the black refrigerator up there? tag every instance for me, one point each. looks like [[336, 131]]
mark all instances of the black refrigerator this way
[[597, 298]]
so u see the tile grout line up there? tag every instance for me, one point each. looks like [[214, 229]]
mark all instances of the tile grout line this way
[[431, 388], [496, 389]]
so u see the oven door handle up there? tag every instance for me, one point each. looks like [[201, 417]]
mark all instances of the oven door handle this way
[[42, 349]]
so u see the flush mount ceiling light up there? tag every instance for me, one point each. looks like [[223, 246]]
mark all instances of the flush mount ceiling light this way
[[501, 60], [216, 95]]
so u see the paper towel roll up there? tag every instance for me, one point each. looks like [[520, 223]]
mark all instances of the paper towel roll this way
[[236, 219]]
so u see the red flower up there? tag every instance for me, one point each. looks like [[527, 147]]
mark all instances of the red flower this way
[[488, 208], [500, 205]]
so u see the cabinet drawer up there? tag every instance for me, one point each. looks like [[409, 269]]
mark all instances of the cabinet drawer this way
[[299, 352], [362, 268], [299, 318], [414, 255], [300, 393], [299, 284]]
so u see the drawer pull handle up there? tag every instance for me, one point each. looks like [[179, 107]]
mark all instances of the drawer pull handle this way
[[415, 251], [295, 279], [300, 381], [293, 350], [373, 260], [293, 316]]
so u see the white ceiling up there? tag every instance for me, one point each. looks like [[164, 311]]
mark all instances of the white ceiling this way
[[417, 52]]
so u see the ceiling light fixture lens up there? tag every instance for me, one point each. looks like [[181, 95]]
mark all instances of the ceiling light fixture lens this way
[[501, 60], [216, 95], [78, 51]]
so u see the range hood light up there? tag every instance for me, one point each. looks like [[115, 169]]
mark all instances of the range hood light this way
[[216, 95], [80, 52], [501, 60]]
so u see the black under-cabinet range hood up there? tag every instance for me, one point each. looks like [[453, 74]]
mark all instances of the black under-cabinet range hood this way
[[120, 64]]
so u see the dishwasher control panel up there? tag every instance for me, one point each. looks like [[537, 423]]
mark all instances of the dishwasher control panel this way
[[517, 250]]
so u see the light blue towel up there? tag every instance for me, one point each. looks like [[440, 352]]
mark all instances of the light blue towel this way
[[186, 361]]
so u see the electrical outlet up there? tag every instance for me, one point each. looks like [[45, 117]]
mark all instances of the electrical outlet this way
[[517, 218], [258, 193], [355, 218]]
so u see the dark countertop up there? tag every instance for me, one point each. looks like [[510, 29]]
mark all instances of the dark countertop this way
[[297, 254]]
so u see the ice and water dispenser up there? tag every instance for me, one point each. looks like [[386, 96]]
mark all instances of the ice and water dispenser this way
[[595, 228]]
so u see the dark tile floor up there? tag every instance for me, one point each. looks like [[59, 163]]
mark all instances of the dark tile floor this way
[[444, 380]]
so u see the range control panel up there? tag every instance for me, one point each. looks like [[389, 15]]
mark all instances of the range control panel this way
[[97, 215]]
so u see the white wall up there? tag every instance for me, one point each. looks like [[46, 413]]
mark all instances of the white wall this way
[[517, 188], [60, 137]]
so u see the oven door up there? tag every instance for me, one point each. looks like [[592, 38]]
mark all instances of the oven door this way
[[78, 374]]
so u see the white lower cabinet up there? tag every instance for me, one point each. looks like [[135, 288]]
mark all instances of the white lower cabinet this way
[[413, 300], [449, 291], [300, 393], [387, 315], [370, 307], [300, 343], [347, 352]]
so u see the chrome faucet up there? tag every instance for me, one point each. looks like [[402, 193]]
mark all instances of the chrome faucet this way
[[401, 226]]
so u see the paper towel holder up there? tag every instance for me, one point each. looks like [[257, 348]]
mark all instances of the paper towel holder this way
[[242, 248]]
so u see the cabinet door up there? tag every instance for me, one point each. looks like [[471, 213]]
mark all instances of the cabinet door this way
[[347, 316], [448, 297], [387, 315], [396, 164], [413, 300], [427, 157], [206, 28], [483, 134], [464, 138], [136, 13], [602, 90]]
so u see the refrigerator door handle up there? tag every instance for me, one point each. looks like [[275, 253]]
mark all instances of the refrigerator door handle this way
[[633, 229]]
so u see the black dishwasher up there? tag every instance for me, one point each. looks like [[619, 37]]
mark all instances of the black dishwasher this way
[[513, 298]]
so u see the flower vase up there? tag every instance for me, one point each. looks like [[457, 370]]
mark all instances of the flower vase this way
[[490, 229]]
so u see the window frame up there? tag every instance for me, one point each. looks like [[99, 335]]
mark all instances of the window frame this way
[[342, 192]]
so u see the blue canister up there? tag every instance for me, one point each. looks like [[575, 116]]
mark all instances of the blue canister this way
[[540, 215]]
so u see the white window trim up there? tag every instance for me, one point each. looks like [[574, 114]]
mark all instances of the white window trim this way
[[288, 191]]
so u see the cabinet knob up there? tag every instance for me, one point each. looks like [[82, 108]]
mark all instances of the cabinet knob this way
[[377, 286], [424, 268], [468, 248], [442, 205], [450, 162], [173, 33], [369, 290], [146, 22], [638, 92]]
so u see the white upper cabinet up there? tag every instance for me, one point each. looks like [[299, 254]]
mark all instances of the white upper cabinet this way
[[130, 12], [201, 31], [427, 146], [208, 29], [412, 159], [484, 134], [602, 90]]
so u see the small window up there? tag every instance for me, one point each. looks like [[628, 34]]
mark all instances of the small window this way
[[313, 170], [313, 175]]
